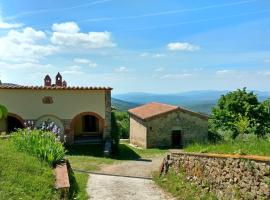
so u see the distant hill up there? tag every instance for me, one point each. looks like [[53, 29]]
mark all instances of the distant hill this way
[[200, 101], [123, 105]]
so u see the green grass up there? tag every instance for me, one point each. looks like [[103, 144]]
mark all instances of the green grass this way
[[252, 147], [180, 188], [23, 176], [90, 157], [78, 184]]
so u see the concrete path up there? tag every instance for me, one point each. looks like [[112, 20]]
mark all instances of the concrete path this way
[[130, 180], [106, 187]]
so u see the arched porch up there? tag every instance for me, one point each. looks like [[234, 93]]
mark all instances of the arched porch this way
[[14, 122], [87, 126]]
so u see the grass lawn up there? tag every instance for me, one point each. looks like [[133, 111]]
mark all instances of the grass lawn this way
[[23, 176], [252, 147], [180, 188], [90, 157]]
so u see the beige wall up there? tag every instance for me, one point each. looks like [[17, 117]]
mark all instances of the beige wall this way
[[193, 129], [67, 103], [137, 132]]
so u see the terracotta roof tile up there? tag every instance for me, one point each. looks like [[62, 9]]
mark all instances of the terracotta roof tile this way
[[155, 109], [4, 86], [151, 109]]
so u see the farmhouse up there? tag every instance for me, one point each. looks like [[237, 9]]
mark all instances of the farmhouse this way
[[157, 125], [80, 112]]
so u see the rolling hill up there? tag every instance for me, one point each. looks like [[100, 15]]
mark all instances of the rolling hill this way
[[200, 101]]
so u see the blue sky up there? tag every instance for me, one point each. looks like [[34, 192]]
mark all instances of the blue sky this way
[[144, 45]]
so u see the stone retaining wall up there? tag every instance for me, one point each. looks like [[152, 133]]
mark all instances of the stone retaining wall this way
[[229, 176]]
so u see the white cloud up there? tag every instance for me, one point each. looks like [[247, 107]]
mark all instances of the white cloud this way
[[154, 55], [4, 25], [81, 60], [33, 67], [159, 69], [68, 27], [182, 46], [158, 55], [121, 69], [26, 45], [225, 72], [264, 73], [73, 70], [175, 76], [84, 61], [73, 38]]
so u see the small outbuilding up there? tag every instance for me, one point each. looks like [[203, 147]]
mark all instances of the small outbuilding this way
[[162, 125]]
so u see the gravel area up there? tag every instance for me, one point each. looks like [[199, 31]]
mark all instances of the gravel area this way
[[129, 180], [106, 187]]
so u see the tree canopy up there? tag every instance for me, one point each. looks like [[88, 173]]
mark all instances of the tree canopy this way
[[241, 112]]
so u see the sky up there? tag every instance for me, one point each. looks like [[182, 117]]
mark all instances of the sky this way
[[151, 46]]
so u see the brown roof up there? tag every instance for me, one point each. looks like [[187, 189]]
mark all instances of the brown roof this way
[[151, 109], [52, 88], [154, 109]]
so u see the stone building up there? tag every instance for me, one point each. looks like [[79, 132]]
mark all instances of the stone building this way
[[157, 125], [81, 113]]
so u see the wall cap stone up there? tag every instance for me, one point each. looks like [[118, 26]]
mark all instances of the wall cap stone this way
[[217, 155]]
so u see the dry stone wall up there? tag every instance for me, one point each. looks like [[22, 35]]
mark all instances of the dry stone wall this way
[[230, 177]]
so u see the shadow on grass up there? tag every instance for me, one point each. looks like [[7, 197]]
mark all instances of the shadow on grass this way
[[74, 188], [124, 152]]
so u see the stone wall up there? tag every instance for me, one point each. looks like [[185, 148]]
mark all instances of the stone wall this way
[[229, 176], [193, 128], [137, 131]]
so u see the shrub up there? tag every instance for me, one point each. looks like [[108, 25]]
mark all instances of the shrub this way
[[3, 112], [214, 137], [241, 113], [39, 143], [115, 133], [122, 122]]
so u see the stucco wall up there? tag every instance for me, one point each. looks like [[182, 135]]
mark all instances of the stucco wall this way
[[193, 128], [66, 103], [137, 132]]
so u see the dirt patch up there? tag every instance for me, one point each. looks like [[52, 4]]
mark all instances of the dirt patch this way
[[137, 168]]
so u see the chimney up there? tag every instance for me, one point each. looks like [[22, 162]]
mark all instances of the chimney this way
[[47, 81], [58, 79], [64, 84]]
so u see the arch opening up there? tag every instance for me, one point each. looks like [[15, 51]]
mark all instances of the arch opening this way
[[87, 125], [14, 123]]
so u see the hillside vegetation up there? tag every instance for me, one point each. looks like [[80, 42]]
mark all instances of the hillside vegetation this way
[[23, 176]]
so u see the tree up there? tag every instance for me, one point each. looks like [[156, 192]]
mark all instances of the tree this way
[[3, 112], [240, 111]]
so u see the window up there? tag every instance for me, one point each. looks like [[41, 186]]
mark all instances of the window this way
[[90, 123]]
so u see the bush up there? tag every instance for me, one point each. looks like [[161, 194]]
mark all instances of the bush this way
[[3, 112], [214, 137], [122, 122], [115, 133], [120, 128], [241, 113], [39, 143]]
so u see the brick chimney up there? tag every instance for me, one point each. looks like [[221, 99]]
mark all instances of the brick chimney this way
[[64, 83], [58, 79], [47, 81]]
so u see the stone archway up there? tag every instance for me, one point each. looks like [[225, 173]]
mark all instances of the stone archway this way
[[14, 122], [87, 124]]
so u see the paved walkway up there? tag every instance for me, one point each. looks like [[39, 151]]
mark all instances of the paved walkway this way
[[126, 181]]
